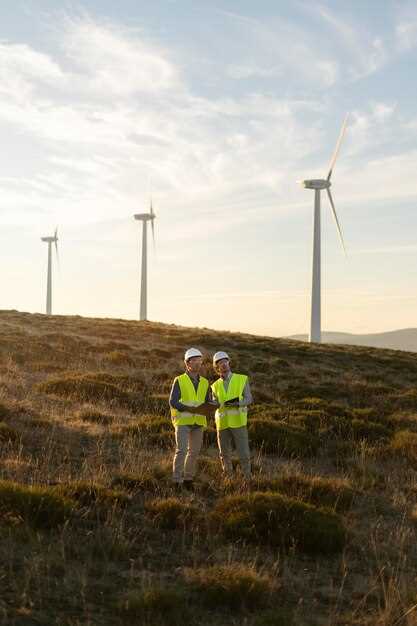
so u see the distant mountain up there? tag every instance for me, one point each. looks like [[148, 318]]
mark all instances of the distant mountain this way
[[403, 339]]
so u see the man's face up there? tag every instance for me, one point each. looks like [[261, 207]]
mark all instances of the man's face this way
[[193, 365], [223, 367]]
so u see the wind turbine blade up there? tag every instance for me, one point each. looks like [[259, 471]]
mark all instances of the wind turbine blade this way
[[57, 253], [56, 244], [153, 232], [339, 230], [339, 143]]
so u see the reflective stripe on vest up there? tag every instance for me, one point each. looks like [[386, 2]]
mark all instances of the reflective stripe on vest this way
[[190, 397], [232, 417]]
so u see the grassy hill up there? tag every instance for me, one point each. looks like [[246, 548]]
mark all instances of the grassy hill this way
[[92, 532], [402, 339]]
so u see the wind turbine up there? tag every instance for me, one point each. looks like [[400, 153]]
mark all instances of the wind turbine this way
[[318, 185], [145, 218], [50, 241]]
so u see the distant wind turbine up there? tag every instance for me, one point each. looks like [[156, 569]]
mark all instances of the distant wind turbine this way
[[145, 218], [50, 241], [318, 185]]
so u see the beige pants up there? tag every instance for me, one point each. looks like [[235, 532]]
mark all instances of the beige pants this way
[[239, 436], [188, 440]]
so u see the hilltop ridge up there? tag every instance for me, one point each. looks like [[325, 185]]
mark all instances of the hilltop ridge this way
[[403, 339], [91, 524]]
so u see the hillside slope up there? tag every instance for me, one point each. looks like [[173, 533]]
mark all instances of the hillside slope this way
[[403, 339], [93, 533]]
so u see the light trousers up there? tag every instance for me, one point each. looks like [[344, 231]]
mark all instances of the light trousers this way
[[188, 441], [238, 436]]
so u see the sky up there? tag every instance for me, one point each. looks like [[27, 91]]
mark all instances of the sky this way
[[216, 109]]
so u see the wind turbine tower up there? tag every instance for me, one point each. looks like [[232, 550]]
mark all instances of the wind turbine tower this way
[[319, 185], [145, 218], [50, 241]]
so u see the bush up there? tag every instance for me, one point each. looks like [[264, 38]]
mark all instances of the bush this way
[[235, 587], [171, 513], [39, 507], [278, 520], [155, 606], [273, 436], [7, 433], [333, 493]]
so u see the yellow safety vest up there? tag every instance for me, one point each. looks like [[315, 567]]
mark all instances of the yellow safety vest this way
[[234, 416], [190, 397]]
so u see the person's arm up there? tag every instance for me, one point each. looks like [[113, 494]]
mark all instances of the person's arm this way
[[174, 398], [247, 395], [210, 397]]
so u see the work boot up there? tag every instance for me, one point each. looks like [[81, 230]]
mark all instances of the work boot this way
[[177, 487], [189, 485]]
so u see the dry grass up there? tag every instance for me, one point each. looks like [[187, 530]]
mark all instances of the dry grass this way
[[93, 533]]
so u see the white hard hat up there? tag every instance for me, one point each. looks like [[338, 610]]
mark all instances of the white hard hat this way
[[192, 352], [219, 356]]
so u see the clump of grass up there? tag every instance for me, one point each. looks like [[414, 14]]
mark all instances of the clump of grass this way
[[279, 520], [155, 606], [333, 493], [208, 465], [39, 507], [152, 479], [40, 422], [273, 436], [279, 616], [118, 357], [154, 430], [235, 587], [171, 513], [5, 411], [404, 444], [89, 494], [94, 416], [7, 433], [372, 431], [85, 387]]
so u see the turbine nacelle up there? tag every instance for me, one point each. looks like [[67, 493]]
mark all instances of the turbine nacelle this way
[[145, 217], [318, 183], [49, 239]]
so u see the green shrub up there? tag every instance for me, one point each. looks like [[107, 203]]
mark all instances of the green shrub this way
[[7, 433], [235, 587], [39, 507], [333, 493], [278, 520], [152, 479], [155, 606], [171, 513], [272, 436]]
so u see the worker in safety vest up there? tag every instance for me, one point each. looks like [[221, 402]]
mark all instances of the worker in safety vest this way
[[232, 392], [189, 391]]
